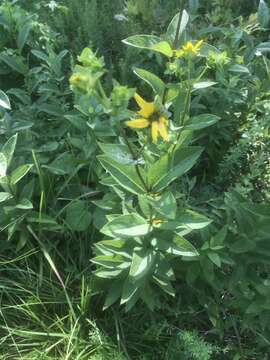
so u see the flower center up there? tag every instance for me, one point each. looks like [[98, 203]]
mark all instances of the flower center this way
[[155, 116]]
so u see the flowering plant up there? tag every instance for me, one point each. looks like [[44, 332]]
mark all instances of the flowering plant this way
[[149, 224]]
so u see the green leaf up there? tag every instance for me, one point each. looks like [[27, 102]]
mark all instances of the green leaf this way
[[142, 263], [178, 246], [263, 14], [110, 261], [4, 196], [41, 55], [193, 6], [129, 225], [169, 168], [149, 42], [9, 148], [4, 101], [125, 175], [239, 69], [78, 218], [15, 63], [19, 173], [154, 81], [203, 85], [243, 245], [118, 152], [113, 294], [172, 28], [3, 165], [24, 204], [23, 36], [64, 164], [123, 247], [166, 205], [130, 290], [214, 258], [108, 273], [201, 121], [263, 47]]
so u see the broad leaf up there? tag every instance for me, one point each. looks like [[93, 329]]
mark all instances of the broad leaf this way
[[23, 36], [201, 121], [154, 81], [165, 205], [172, 28], [150, 42], [3, 165], [78, 218], [129, 225], [130, 290], [169, 167], [203, 85], [142, 263], [263, 14], [9, 148], [118, 152], [125, 175], [4, 196], [15, 63], [110, 261], [19, 173], [4, 100], [178, 246]]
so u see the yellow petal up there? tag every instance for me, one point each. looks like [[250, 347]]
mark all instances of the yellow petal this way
[[188, 46], [147, 108], [147, 111], [138, 123], [154, 131], [198, 45], [162, 128], [139, 100]]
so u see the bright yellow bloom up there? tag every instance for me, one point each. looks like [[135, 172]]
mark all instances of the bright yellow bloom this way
[[149, 116], [189, 49]]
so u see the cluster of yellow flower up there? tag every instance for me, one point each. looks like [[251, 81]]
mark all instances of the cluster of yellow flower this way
[[149, 115]]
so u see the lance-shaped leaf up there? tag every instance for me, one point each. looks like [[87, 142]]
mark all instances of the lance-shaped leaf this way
[[118, 152], [111, 261], [201, 121], [3, 165], [178, 246], [172, 28], [125, 175], [19, 173], [4, 100], [9, 148], [171, 166], [129, 225], [149, 42], [154, 81], [4, 196], [142, 263]]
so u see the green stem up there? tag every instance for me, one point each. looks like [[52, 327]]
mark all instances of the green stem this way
[[178, 24], [135, 158], [186, 106]]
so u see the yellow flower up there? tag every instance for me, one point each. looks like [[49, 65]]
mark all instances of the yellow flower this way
[[189, 49], [149, 116]]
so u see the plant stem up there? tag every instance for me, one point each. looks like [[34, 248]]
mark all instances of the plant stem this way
[[137, 168], [178, 24]]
